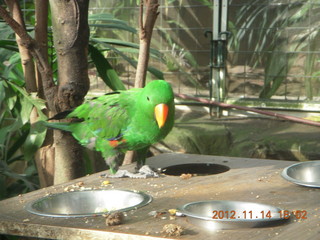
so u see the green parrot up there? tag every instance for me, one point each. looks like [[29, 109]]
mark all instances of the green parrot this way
[[120, 121]]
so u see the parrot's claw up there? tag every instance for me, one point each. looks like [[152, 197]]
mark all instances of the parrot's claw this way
[[144, 172], [148, 172]]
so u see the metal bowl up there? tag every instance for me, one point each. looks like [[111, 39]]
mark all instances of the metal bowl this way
[[214, 215], [88, 203], [303, 173]]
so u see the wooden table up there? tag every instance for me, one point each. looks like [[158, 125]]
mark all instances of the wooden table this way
[[253, 180]]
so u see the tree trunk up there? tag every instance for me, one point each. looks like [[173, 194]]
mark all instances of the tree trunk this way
[[44, 157], [71, 36]]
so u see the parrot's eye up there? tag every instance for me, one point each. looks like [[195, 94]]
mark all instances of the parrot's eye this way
[[148, 99]]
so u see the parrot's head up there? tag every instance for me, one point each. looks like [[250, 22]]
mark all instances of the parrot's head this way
[[158, 101]]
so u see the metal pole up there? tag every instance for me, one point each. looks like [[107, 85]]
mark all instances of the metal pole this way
[[215, 38], [219, 45], [223, 38]]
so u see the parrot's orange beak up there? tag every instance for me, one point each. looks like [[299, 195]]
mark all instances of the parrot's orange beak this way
[[161, 113]]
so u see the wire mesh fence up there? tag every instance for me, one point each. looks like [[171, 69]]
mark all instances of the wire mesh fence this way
[[273, 52], [178, 35]]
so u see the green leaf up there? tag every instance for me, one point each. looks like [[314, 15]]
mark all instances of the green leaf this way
[[2, 92], [5, 30], [11, 99], [37, 103], [15, 58], [106, 20], [9, 45], [14, 69], [115, 26], [16, 146], [107, 41], [33, 142], [100, 17], [105, 70], [8, 130], [26, 108], [35, 138], [158, 74], [31, 170], [116, 42], [6, 171], [276, 72]]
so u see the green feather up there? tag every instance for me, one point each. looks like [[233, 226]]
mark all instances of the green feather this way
[[115, 123]]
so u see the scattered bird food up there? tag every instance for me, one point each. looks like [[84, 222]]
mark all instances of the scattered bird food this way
[[172, 230], [114, 219]]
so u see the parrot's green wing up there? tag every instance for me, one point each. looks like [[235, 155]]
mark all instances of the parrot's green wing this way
[[103, 122]]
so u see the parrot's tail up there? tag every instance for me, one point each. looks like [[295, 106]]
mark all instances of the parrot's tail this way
[[56, 125]]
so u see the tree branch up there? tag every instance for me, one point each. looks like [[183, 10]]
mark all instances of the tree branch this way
[[41, 36], [141, 26], [44, 68], [145, 34], [17, 28], [26, 58]]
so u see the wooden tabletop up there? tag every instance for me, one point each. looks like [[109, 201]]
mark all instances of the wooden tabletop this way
[[252, 180]]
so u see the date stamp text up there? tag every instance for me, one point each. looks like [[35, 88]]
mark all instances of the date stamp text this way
[[264, 214]]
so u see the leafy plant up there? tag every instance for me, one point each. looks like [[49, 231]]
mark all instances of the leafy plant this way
[[178, 59], [101, 47], [17, 169], [260, 29], [18, 140]]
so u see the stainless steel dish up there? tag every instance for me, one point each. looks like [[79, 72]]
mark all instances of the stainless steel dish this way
[[87, 203], [214, 215], [303, 173]]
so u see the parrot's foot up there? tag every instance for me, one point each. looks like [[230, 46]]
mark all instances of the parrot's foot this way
[[144, 172], [147, 171]]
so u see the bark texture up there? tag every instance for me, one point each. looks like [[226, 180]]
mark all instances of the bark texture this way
[[71, 36], [41, 37]]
